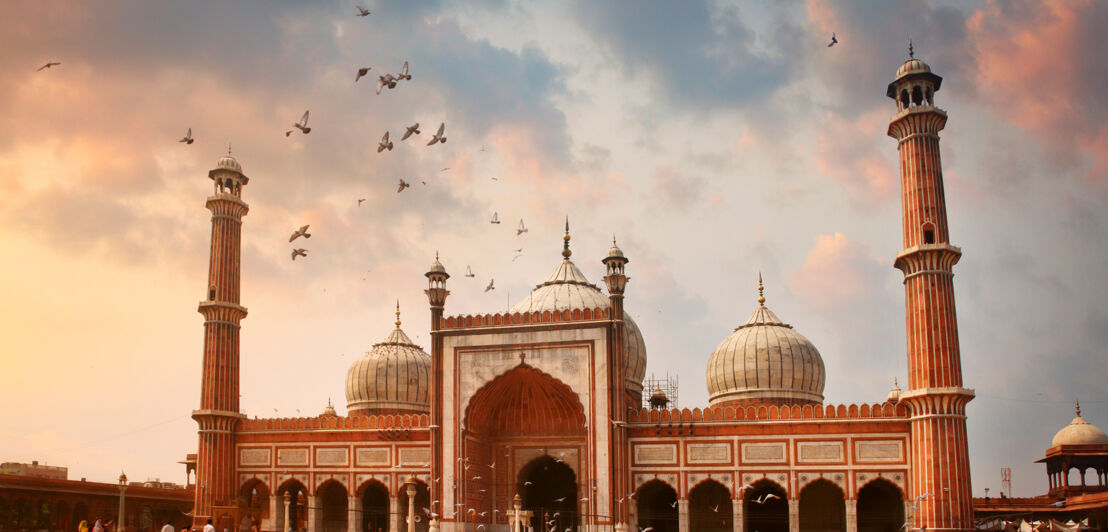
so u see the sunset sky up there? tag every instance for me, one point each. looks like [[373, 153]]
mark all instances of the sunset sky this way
[[713, 139]]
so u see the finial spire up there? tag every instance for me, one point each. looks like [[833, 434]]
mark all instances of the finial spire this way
[[565, 245], [228, 149], [1077, 408], [761, 291], [911, 49], [398, 312]]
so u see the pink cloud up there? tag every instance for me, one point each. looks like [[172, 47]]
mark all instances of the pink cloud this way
[[846, 150], [838, 273]]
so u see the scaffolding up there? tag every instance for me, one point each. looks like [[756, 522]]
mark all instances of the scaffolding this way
[[668, 386]]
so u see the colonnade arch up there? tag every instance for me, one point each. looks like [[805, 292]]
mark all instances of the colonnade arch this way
[[254, 500], [656, 503], [822, 507], [710, 508], [375, 507], [422, 501], [766, 507], [331, 497], [880, 507], [295, 516]]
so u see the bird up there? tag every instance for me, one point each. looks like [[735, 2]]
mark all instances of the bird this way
[[424, 182], [360, 201], [404, 73], [445, 168], [302, 232], [490, 286], [482, 514], [362, 12], [563, 499], [528, 483], [403, 185], [187, 139], [385, 143], [834, 40], [480, 527], [494, 220], [302, 125], [477, 477], [715, 508], [438, 136], [299, 252], [469, 272], [48, 65], [922, 497], [674, 505], [520, 250], [583, 499], [411, 130], [362, 72], [386, 81], [521, 229], [766, 497], [647, 529]]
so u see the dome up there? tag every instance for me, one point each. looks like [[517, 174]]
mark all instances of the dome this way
[[614, 252], [228, 163], [1079, 432], [567, 288], [765, 361], [436, 267], [913, 66], [393, 377]]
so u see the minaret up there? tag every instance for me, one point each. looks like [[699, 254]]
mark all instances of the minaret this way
[[436, 297], [218, 416], [940, 473], [616, 279]]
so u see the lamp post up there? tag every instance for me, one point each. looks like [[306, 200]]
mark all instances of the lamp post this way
[[122, 497], [411, 491]]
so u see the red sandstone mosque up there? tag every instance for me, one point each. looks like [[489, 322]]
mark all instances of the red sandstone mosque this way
[[532, 418]]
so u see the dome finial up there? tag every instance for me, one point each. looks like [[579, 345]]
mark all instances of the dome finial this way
[[228, 149], [398, 313], [1077, 408], [761, 291], [911, 49], [565, 245]]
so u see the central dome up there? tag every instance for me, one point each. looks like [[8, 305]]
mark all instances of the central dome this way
[[391, 378], [568, 289], [765, 361]]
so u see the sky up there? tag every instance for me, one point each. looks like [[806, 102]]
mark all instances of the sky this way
[[714, 140]]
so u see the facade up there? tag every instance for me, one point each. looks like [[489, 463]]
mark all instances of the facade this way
[[533, 416], [34, 469], [46, 504]]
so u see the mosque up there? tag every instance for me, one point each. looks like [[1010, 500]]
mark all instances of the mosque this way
[[533, 418]]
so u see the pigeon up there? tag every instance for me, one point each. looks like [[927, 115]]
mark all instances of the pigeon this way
[[583, 499], [438, 136], [480, 527], [516, 257], [715, 508], [424, 182], [674, 505], [386, 81], [302, 232], [482, 514], [362, 12], [385, 143], [494, 219], [48, 65], [404, 73], [360, 201], [528, 483], [834, 40], [563, 499], [445, 168], [490, 286], [520, 250], [301, 252], [187, 139], [766, 497], [921, 497], [362, 72], [469, 272], [647, 529], [302, 125], [477, 477], [411, 130], [403, 185], [521, 228]]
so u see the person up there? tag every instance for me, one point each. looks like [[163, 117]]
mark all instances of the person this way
[[209, 527], [83, 526], [246, 524], [168, 526], [98, 526]]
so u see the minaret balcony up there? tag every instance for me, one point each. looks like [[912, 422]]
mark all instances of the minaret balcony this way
[[927, 258], [215, 310]]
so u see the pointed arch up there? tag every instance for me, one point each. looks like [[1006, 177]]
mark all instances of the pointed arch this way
[[525, 401], [822, 507], [656, 502], [880, 506], [710, 507]]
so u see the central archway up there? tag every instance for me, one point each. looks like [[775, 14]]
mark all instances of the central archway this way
[[657, 507], [548, 489], [822, 507], [766, 507], [710, 508]]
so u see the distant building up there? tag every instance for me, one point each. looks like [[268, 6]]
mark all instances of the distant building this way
[[34, 469]]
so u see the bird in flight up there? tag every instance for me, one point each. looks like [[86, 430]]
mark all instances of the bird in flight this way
[[528, 483], [674, 505], [521, 229], [362, 72], [647, 529], [299, 252], [438, 136], [469, 272], [385, 143], [403, 73], [583, 499], [411, 130], [494, 220], [445, 168], [187, 139], [403, 185], [490, 286], [362, 12], [385, 81], [766, 497], [514, 259], [48, 65], [715, 508], [834, 40], [302, 125], [520, 250], [360, 201], [563, 499], [302, 232]]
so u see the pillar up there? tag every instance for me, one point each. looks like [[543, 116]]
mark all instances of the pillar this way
[[394, 514], [354, 514], [285, 526], [682, 515], [851, 515], [314, 514], [269, 524], [794, 515], [738, 514], [411, 491]]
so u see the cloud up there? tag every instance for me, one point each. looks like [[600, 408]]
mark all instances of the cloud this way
[[837, 274], [854, 153]]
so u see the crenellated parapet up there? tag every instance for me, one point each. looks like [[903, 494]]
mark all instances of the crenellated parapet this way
[[770, 412], [374, 422], [524, 318]]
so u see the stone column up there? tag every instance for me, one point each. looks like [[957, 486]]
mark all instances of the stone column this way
[[851, 515], [394, 514], [314, 514], [794, 515], [283, 522], [682, 515], [737, 515], [269, 523], [411, 491], [633, 514], [354, 514]]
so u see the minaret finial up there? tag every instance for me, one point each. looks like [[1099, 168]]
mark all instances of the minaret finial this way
[[1077, 408], [228, 149], [398, 311], [565, 246], [911, 49], [761, 290]]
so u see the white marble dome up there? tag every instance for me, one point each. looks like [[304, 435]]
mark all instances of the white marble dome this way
[[567, 288], [765, 361], [229, 163], [913, 66], [391, 378], [1079, 432]]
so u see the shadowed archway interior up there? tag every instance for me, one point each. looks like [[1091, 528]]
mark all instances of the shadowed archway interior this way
[[766, 508], [548, 488], [710, 508], [880, 507], [822, 507], [657, 507], [375, 508]]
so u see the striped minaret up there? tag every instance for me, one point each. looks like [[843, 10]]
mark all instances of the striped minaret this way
[[219, 415], [940, 475]]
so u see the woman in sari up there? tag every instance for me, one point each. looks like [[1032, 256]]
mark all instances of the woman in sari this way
[[83, 526]]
